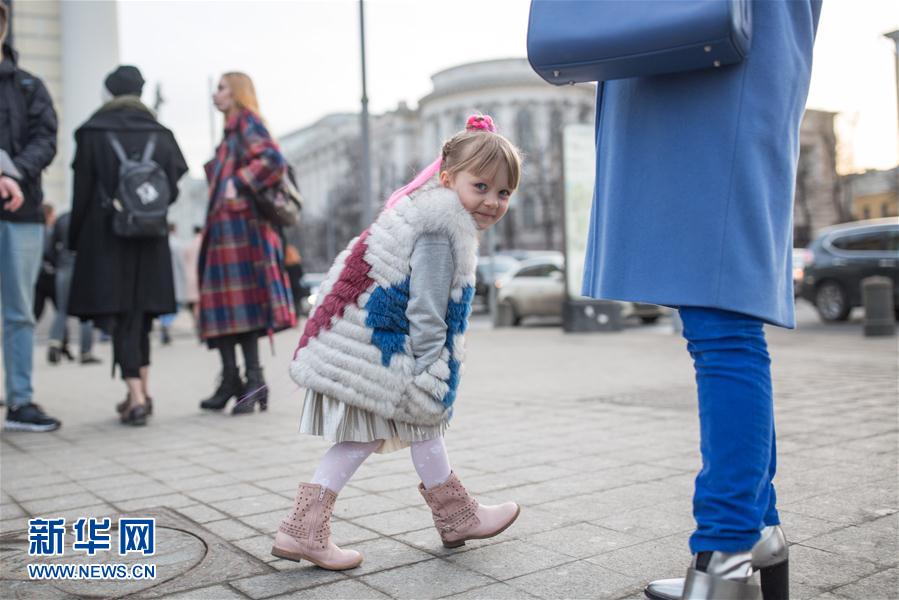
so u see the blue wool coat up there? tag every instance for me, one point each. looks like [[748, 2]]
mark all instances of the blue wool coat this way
[[695, 175]]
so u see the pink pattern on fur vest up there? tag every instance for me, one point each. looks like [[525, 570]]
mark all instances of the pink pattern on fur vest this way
[[352, 283]]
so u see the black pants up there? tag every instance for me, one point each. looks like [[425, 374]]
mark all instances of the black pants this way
[[131, 343], [249, 344]]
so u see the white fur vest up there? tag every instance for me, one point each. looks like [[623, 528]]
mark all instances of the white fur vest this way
[[356, 347]]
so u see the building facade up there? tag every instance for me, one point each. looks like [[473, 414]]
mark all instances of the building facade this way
[[71, 46], [872, 194], [326, 155], [818, 194]]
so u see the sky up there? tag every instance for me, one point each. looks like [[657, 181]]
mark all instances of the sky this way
[[304, 59]]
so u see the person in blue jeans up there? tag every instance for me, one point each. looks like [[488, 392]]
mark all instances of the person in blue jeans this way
[[64, 260], [693, 207], [28, 139]]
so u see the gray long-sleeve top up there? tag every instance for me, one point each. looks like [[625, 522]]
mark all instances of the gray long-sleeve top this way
[[429, 290]]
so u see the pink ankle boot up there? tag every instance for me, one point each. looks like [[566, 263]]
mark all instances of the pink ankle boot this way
[[306, 533], [459, 517]]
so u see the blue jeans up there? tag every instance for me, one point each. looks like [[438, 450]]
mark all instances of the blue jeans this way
[[21, 247], [59, 327], [734, 496]]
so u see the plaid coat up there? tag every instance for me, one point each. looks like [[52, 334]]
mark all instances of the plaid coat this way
[[243, 282]]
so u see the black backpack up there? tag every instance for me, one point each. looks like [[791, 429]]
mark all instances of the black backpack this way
[[142, 197]]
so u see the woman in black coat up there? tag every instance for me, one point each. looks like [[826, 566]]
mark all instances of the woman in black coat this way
[[121, 283]]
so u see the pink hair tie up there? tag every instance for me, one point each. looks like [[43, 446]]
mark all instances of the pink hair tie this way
[[480, 123]]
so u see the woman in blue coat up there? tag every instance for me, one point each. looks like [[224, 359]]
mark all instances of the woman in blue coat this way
[[693, 208]]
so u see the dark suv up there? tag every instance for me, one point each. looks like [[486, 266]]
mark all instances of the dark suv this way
[[842, 256]]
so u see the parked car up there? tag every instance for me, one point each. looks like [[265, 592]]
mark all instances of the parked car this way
[[842, 256], [536, 288], [310, 282], [483, 281]]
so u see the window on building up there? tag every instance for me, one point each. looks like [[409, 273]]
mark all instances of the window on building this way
[[885, 209], [866, 212]]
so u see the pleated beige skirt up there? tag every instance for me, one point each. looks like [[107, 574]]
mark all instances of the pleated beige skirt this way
[[338, 422]]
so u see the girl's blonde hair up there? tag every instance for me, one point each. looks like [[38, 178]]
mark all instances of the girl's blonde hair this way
[[481, 152], [243, 91], [478, 149]]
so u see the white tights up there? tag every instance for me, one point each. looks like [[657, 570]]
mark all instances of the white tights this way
[[341, 461]]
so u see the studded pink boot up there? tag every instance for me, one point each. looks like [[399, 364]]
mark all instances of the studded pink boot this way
[[306, 533], [459, 517]]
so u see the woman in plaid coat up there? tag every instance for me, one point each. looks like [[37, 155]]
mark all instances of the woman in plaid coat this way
[[244, 287]]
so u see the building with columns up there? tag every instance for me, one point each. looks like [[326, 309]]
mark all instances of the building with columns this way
[[71, 46], [326, 155], [532, 114]]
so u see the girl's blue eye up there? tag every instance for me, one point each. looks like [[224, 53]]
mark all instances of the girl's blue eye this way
[[481, 187], [505, 193]]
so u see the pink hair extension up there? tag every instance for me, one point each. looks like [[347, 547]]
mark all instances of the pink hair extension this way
[[416, 183], [474, 123]]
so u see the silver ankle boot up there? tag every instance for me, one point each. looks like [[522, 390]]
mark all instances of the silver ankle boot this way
[[769, 557], [721, 576]]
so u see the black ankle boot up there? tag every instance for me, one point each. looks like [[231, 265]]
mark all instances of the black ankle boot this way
[[254, 391], [230, 387], [53, 355]]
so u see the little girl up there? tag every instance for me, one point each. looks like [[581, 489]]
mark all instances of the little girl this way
[[381, 352]]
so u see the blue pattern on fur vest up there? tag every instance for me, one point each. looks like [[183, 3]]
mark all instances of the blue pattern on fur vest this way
[[364, 356]]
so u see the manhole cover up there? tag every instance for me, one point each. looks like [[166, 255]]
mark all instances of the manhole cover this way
[[187, 557], [177, 553]]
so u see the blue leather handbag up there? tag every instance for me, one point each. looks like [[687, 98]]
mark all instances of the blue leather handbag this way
[[572, 41]]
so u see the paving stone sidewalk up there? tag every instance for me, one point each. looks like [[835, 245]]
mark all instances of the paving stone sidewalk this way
[[594, 435]]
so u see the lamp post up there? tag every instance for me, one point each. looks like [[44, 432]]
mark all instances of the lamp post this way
[[365, 196]]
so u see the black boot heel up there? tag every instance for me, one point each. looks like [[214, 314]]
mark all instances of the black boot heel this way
[[230, 386], [776, 581], [254, 392]]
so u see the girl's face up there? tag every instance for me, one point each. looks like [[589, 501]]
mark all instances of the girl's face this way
[[222, 97], [485, 197]]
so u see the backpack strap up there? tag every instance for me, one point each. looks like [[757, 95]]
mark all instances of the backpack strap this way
[[117, 147], [149, 149]]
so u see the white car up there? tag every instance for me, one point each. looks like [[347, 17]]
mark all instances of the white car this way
[[536, 288]]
